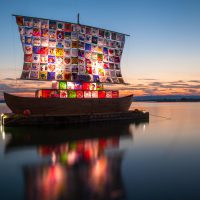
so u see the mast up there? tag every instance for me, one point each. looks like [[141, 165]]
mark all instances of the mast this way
[[78, 19]]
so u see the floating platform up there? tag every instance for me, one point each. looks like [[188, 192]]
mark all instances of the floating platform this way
[[12, 120]]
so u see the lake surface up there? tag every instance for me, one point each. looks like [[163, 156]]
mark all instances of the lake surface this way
[[157, 160]]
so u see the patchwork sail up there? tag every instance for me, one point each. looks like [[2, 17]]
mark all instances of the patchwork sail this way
[[63, 51]]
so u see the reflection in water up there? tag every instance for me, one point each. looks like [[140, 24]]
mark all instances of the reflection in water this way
[[3, 133], [73, 167], [78, 170]]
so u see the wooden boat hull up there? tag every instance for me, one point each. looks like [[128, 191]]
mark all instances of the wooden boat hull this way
[[60, 107]]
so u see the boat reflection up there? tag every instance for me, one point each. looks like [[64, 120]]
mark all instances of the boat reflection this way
[[75, 163]]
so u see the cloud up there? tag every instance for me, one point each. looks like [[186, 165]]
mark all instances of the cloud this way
[[10, 79], [194, 81], [147, 79]]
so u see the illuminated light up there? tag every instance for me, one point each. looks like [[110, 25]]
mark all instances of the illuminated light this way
[[144, 128], [3, 133], [72, 156], [53, 157], [98, 173]]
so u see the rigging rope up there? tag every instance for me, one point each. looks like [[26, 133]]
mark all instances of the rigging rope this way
[[168, 118]]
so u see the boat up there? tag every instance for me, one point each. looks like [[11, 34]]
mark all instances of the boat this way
[[60, 106], [78, 59]]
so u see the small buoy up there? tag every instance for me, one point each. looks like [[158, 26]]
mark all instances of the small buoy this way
[[27, 112]]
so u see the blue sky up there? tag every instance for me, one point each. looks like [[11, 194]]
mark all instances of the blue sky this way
[[164, 45]]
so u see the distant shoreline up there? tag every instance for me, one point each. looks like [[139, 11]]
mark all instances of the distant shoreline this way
[[160, 101], [167, 98]]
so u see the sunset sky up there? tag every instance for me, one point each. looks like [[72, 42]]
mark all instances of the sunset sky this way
[[162, 55]]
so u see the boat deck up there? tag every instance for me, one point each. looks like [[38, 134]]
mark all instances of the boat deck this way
[[12, 120]]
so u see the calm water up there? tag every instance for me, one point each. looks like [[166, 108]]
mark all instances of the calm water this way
[[121, 160]]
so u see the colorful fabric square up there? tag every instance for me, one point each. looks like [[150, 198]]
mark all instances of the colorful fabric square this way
[[44, 23], [44, 50], [74, 77], [59, 75], [102, 94], [92, 86], [94, 94], [34, 75], [55, 94], [67, 76], [79, 94], [87, 94], [115, 94], [62, 85], [70, 85], [36, 23], [60, 35], [54, 85], [86, 86], [44, 42], [50, 76], [52, 24], [87, 47], [43, 75], [99, 86], [63, 93], [74, 60], [81, 53], [74, 44], [94, 39], [46, 93], [51, 67], [35, 66], [60, 25], [96, 78], [71, 94], [28, 21], [108, 94], [68, 27], [28, 49], [81, 45], [67, 60], [20, 20], [84, 78], [36, 49], [77, 86], [28, 58]]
